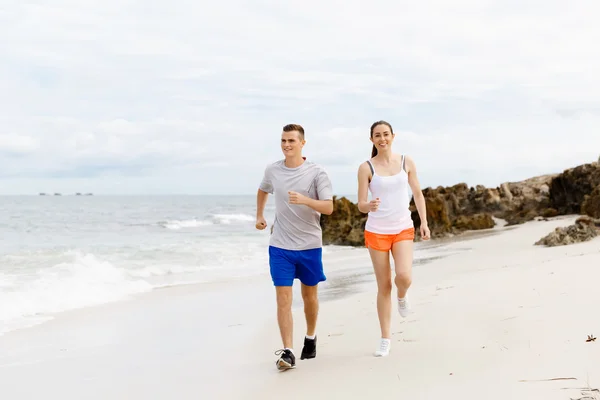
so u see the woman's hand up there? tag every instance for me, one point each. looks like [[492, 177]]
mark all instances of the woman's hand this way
[[425, 232]]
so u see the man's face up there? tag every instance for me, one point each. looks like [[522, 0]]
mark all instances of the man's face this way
[[291, 144]]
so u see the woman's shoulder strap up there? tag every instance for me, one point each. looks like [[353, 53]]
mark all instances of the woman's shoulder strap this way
[[371, 166]]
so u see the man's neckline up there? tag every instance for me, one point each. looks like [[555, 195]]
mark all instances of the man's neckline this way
[[303, 162]]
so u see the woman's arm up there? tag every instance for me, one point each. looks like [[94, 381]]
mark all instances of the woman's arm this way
[[415, 186], [364, 205]]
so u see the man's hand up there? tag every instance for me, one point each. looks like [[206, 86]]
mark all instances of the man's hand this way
[[261, 223], [425, 232], [297, 198]]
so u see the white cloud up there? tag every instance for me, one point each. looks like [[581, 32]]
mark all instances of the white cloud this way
[[17, 144], [148, 96]]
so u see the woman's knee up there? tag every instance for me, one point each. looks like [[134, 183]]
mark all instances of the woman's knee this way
[[385, 286], [403, 279]]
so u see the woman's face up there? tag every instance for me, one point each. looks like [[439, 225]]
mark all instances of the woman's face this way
[[382, 137]]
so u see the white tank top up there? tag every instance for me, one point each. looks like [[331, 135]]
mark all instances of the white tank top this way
[[393, 214]]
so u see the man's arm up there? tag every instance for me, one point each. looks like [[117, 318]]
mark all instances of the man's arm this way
[[324, 193], [322, 206], [261, 202], [324, 202], [266, 187]]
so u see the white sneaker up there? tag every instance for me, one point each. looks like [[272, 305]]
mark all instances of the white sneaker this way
[[403, 307], [384, 348]]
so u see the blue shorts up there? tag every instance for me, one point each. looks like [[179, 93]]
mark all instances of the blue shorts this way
[[287, 265]]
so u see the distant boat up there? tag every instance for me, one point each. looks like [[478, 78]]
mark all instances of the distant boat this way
[[77, 194], [57, 194], [42, 194], [89, 194]]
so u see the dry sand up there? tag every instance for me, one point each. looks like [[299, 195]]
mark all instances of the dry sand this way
[[497, 321]]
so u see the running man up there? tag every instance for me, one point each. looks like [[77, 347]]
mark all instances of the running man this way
[[303, 192], [389, 227]]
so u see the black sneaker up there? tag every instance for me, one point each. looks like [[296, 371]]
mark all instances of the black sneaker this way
[[287, 359], [310, 348]]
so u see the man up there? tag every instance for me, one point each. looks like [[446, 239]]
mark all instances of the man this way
[[303, 192]]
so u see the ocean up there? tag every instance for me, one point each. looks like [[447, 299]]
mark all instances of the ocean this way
[[60, 253]]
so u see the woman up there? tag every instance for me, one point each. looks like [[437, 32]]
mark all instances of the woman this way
[[389, 227]]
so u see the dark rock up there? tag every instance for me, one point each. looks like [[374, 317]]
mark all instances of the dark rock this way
[[549, 213], [474, 222], [529, 199], [516, 202], [568, 190], [345, 226], [587, 220], [583, 230], [591, 203], [455, 209]]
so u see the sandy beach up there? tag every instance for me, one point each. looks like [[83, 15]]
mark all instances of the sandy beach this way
[[503, 320], [499, 318]]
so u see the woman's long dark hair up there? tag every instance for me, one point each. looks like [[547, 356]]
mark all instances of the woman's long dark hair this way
[[374, 151]]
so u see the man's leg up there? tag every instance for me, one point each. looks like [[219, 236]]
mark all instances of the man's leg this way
[[283, 272], [310, 273], [284, 315], [311, 308]]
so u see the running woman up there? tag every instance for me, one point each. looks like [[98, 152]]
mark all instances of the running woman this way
[[389, 227], [302, 192]]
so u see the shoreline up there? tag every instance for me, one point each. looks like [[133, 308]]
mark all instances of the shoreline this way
[[479, 322], [334, 257], [355, 272]]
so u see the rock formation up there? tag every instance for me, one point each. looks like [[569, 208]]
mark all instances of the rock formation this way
[[568, 190], [591, 203], [345, 226], [585, 228], [455, 209]]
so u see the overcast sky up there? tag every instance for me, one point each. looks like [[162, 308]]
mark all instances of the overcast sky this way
[[187, 96]]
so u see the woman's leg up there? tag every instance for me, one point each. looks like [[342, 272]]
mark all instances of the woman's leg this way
[[402, 252], [383, 274]]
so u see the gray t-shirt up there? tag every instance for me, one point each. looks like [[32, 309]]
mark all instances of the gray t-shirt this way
[[296, 227]]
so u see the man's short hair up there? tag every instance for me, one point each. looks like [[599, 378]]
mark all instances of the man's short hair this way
[[294, 127]]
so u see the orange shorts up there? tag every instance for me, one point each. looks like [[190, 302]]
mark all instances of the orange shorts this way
[[378, 241]]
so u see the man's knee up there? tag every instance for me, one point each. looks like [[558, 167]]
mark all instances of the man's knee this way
[[310, 294], [284, 296]]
